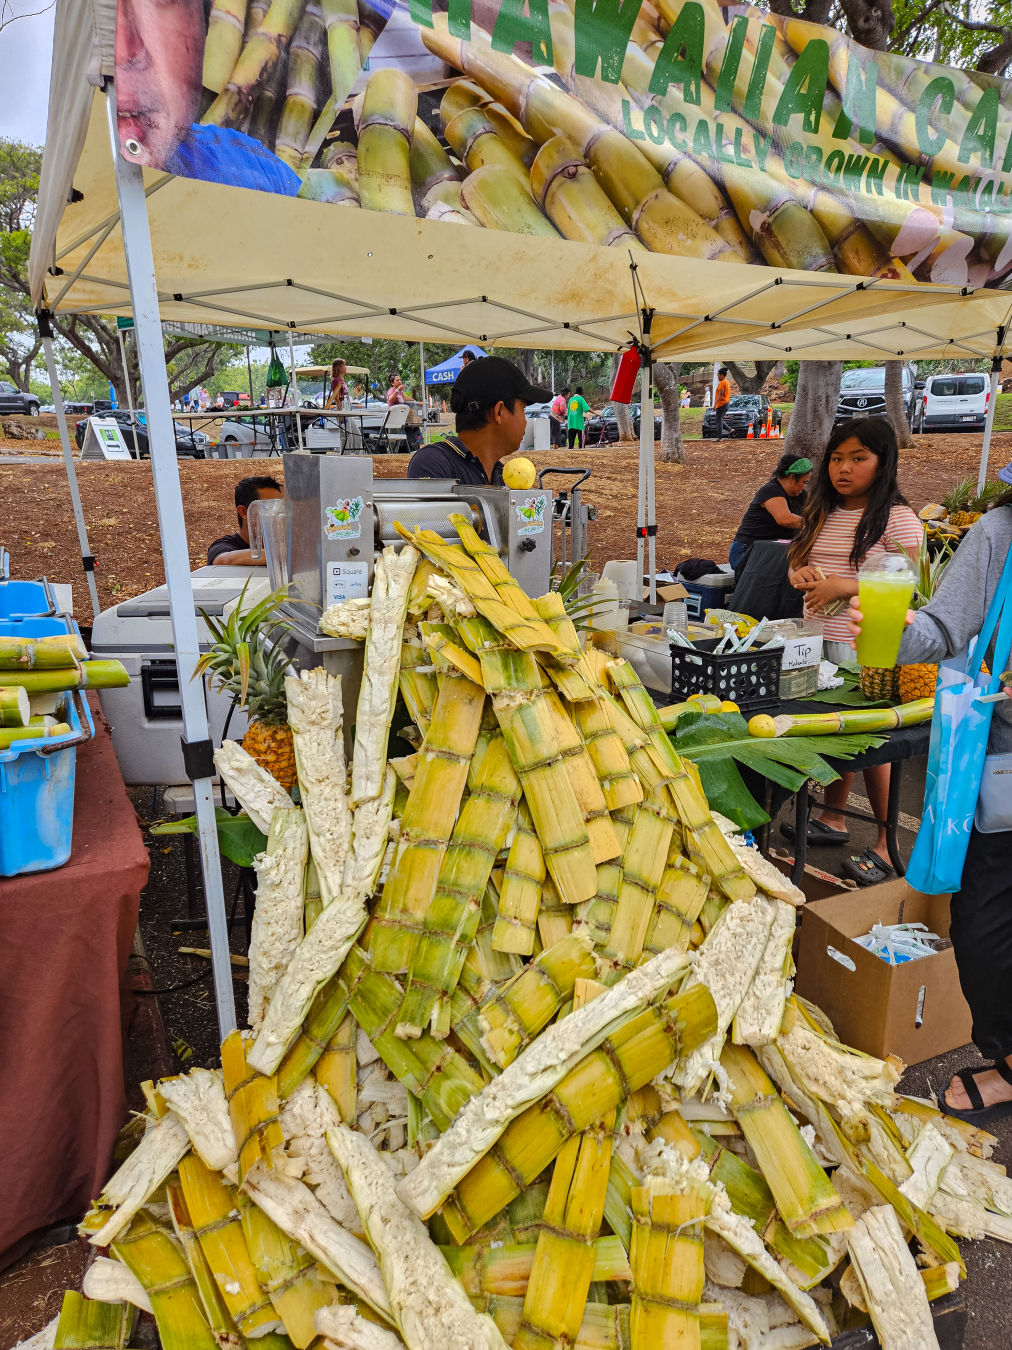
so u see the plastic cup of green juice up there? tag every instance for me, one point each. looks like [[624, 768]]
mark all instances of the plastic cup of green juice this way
[[885, 590]]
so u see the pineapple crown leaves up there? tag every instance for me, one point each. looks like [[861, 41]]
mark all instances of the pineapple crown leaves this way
[[242, 659], [927, 568], [958, 497]]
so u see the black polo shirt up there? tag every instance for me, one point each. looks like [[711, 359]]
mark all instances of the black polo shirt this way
[[452, 459]]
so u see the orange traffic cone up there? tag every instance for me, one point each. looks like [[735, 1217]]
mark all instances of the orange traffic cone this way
[[775, 433], [751, 433], [762, 432]]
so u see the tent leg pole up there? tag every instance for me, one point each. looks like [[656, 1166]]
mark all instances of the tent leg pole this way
[[641, 487], [87, 559], [295, 387], [126, 374], [985, 449], [197, 746], [647, 428]]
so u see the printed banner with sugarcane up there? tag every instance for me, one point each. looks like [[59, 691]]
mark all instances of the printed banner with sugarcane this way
[[677, 126]]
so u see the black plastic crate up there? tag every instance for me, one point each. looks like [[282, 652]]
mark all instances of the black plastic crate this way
[[750, 679]]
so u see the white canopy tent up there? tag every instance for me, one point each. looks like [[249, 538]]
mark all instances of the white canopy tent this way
[[113, 239]]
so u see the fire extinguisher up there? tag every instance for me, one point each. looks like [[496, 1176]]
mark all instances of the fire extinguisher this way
[[625, 377]]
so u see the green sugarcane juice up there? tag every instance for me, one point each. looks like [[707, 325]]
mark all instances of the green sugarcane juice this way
[[885, 593]]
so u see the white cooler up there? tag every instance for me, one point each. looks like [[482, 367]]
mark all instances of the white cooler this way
[[145, 717]]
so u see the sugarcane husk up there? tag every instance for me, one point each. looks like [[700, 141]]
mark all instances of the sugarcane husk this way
[[165, 1141], [252, 1105], [111, 1281], [198, 1099], [520, 889], [894, 1293], [86, 1324], [533, 1074], [507, 1268], [258, 792], [336, 1070], [428, 1304], [156, 1258], [278, 920]]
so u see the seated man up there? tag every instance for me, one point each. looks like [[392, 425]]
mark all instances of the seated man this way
[[488, 397], [232, 550]]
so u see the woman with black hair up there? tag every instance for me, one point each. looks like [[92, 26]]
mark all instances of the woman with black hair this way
[[854, 512], [773, 512]]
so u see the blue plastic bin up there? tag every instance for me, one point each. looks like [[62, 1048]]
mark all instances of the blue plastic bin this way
[[26, 599], [37, 794]]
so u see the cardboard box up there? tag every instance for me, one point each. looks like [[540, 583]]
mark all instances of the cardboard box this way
[[914, 1010], [672, 590]]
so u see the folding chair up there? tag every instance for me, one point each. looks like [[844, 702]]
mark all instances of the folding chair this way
[[392, 433]]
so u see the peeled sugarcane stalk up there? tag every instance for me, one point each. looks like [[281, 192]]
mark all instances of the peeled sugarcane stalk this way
[[378, 691], [315, 715], [110, 1281], [299, 110], [258, 59], [760, 1014], [384, 140], [88, 675], [531, 1076], [893, 1290], [428, 1304], [58, 652], [14, 735], [344, 1328], [223, 43], [156, 1258], [89, 1325], [851, 721], [278, 925], [258, 792]]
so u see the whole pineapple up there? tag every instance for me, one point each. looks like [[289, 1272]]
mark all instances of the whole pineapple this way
[[248, 662], [918, 680], [959, 501], [880, 683]]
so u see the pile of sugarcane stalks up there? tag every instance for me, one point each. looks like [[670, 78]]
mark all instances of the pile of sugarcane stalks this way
[[641, 162], [524, 1065], [35, 673]]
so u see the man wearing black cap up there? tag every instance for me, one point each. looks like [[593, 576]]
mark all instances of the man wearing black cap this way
[[488, 399]]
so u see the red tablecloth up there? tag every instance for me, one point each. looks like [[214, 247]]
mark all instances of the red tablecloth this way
[[65, 937]]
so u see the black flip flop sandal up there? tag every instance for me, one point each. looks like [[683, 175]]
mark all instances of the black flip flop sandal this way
[[867, 868], [818, 833], [977, 1113]]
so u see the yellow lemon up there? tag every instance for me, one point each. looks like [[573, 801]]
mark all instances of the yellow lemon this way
[[728, 705], [519, 473], [762, 725]]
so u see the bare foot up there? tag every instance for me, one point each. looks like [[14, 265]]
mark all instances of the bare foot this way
[[830, 820], [991, 1086]]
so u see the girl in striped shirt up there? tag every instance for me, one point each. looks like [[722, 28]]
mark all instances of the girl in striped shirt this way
[[855, 511]]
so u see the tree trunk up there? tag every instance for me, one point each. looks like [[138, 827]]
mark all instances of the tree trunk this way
[[622, 414], [896, 408], [751, 384], [814, 407], [666, 378]]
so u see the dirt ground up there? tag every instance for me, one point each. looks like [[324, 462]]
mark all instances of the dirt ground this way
[[699, 504]]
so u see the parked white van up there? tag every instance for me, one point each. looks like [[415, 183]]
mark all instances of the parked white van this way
[[957, 402]]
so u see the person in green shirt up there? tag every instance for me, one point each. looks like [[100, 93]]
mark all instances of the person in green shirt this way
[[578, 408]]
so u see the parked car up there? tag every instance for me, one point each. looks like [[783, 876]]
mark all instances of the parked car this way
[[190, 444], [958, 402], [602, 427], [862, 394], [12, 400], [743, 410]]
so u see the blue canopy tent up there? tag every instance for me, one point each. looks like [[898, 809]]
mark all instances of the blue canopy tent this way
[[447, 371]]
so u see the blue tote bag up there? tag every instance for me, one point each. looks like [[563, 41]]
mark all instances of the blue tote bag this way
[[959, 731]]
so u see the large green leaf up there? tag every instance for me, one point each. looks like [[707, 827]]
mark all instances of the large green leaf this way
[[238, 838], [848, 695], [717, 742]]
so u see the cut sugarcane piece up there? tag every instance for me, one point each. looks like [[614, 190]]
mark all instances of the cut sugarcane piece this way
[[286, 1271], [514, 1014], [428, 1305], [644, 856], [531, 1076], [585, 783], [760, 1014], [165, 1141], [378, 692], [325, 1014], [727, 962], [86, 1324], [336, 1069], [666, 1256], [60, 651], [624, 1062], [427, 823], [894, 1292], [198, 1099], [530, 728], [806, 1198], [851, 721], [278, 919], [605, 1326], [448, 654], [111, 1281], [214, 1218], [520, 891], [257, 792], [451, 920], [87, 675], [156, 1258], [252, 1104], [417, 683], [315, 716], [344, 1328], [506, 1268], [347, 619], [596, 916], [619, 783], [15, 735], [681, 894], [297, 1212], [15, 710]]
